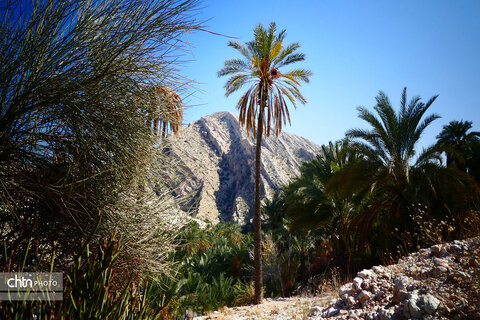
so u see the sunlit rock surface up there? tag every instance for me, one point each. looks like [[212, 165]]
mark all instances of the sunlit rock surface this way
[[218, 166]]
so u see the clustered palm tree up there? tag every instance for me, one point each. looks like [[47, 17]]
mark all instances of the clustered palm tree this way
[[392, 176], [300, 218], [458, 142], [372, 199], [309, 205], [263, 108]]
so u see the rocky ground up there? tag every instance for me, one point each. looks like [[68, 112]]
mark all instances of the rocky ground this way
[[441, 282], [297, 308]]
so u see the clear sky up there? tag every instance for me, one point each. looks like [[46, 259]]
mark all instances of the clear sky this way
[[354, 49]]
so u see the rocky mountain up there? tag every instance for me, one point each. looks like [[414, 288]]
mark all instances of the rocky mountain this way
[[217, 166]]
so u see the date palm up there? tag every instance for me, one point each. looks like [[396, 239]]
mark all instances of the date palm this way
[[455, 136], [388, 163], [165, 111], [310, 207], [263, 108], [392, 178]]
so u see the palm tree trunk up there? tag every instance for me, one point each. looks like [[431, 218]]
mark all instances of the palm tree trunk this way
[[257, 224]]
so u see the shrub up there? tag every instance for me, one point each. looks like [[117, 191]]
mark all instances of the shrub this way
[[74, 142], [212, 271], [90, 290]]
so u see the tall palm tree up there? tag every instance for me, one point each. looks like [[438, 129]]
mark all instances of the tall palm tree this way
[[263, 108], [455, 135], [393, 137]]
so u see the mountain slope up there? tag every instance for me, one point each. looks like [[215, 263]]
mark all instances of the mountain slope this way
[[217, 158]]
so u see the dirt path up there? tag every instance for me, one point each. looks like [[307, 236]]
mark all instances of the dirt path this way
[[297, 308]]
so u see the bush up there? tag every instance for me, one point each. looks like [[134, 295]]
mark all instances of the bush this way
[[211, 272], [74, 144], [91, 291]]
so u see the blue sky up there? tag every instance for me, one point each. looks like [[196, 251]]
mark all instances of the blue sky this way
[[354, 49]]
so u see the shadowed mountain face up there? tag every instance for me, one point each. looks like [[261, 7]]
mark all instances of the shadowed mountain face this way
[[218, 162]]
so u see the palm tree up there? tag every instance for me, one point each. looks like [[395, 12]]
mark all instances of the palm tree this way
[[263, 108], [393, 138], [310, 207], [165, 111], [455, 136], [391, 178]]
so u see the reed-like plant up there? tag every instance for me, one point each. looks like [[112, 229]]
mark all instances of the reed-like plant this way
[[90, 289], [75, 79]]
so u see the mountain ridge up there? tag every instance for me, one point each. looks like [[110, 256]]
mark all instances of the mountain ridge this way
[[217, 158]]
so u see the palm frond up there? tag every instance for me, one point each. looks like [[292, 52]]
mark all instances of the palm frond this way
[[278, 61], [259, 68]]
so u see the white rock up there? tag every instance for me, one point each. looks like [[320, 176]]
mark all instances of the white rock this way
[[332, 312], [346, 289], [364, 274], [440, 262], [378, 269], [400, 283], [414, 306], [430, 304], [357, 284]]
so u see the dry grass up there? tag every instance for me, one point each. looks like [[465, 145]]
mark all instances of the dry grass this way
[[292, 308]]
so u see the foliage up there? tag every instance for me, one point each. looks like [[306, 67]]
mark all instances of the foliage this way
[[367, 199], [288, 259], [211, 271], [165, 111], [260, 68], [311, 207], [459, 143], [473, 161], [91, 290], [306, 226], [393, 180], [289, 255], [308, 204], [74, 87]]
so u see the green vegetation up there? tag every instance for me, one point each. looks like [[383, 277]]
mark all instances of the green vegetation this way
[[74, 143], [87, 290], [460, 145], [78, 116], [213, 270], [88, 96], [374, 197], [263, 107]]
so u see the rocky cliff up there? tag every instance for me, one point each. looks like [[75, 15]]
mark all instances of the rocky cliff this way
[[217, 161]]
